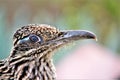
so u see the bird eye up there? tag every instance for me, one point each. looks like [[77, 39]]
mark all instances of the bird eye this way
[[31, 38], [34, 38]]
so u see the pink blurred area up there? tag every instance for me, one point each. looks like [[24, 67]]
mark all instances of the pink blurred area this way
[[89, 62]]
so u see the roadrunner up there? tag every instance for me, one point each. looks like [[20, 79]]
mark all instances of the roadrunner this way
[[33, 47]]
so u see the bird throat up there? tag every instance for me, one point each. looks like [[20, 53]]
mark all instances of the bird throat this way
[[29, 68]]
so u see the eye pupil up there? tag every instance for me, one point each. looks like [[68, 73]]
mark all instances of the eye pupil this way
[[34, 38]]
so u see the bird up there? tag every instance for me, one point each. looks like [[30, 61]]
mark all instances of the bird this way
[[33, 48]]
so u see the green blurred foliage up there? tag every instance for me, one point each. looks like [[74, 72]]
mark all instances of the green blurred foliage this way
[[99, 16]]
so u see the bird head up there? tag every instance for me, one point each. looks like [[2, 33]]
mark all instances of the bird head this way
[[41, 40]]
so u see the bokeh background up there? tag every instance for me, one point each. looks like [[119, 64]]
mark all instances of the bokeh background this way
[[99, 16]]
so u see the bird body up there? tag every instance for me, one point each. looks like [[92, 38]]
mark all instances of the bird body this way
[[31, 55]]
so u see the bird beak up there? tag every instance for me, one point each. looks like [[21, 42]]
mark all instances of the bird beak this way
[[77, 35], [70, 36]]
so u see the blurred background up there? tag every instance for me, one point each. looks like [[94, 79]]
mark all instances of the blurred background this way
[[99, 16]]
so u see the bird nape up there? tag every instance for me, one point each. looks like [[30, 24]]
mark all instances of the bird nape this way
[[31, 55]]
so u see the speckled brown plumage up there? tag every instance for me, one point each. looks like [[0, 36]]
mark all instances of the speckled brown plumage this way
[[31, 55]]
